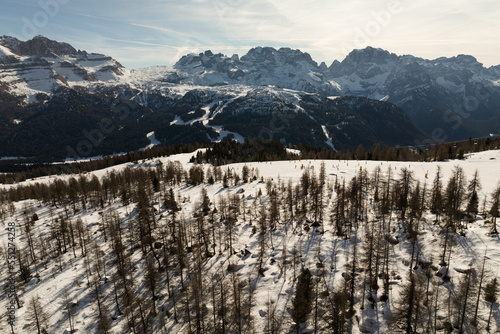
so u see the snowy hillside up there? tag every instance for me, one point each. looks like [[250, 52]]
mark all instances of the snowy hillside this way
[[139, 247]]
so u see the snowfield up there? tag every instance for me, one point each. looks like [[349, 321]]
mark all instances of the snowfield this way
[[290, 245]]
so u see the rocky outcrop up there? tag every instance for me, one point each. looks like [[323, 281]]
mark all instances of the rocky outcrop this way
[[449, 98]]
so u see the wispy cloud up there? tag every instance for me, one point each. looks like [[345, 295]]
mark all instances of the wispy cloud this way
[[156, 31]]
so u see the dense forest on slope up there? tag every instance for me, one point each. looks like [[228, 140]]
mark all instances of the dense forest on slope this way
[[230, 151]]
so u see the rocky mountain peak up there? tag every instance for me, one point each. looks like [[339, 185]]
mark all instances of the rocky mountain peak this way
[[366, 62], [41, 66], [285, 67], [280, 56], [377, 55], [39, 46], [206, 60], [460, 61]]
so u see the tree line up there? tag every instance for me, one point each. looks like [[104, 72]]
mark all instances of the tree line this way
[[229, 151]]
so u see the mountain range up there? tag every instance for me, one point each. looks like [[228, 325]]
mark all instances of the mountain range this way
[[57, 102]]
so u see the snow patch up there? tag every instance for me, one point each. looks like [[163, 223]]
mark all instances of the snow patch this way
[[4, 52], [334, 250], [293, 151], [328, 138], [177, 121], [224, 133], [152, 138]]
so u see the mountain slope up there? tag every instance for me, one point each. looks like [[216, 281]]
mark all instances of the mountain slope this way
[[449, 98], [284, 68], [40, 66]]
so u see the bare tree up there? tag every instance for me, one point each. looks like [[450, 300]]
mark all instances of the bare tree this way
[[36, 317], [68, 306], [490, 296], [102, 311]]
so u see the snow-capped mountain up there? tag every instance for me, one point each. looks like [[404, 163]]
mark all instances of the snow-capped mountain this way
[[449, 98], [284, 68], [41, 66], [455, 97], [62, 96], [279, 94]]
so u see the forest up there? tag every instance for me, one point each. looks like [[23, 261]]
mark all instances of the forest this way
[[160, 246], [229, 151]]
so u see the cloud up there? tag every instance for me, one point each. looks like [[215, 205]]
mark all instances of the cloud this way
[[325, 29]]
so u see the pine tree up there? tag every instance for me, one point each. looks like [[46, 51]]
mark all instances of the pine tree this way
[[473, 188], [205, 202], [454, 195], [302, 304], [415, 205], [404, 186], [408, 314], [338, 315], [436, 204], [495, 208], [462, 298], [481, 277], [245, 172], [170, 202]]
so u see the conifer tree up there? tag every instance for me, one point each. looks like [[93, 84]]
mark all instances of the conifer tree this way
[[495, 208], [436, 204], [302, 303], [404, 186], [454, 195], [473, 189]]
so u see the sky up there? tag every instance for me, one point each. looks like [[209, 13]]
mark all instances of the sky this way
[[159, 32]]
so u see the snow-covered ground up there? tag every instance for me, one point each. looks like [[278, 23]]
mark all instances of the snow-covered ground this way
[[313, 246]]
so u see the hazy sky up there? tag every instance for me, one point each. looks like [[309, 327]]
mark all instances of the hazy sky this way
[[158, 32]]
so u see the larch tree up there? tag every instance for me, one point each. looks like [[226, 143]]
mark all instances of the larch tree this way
[[454, 195], [36, 317], [404, 185]]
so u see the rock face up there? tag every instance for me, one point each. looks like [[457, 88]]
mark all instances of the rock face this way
[[41, 66], [285, 68], [449, 98], [39, 46]]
